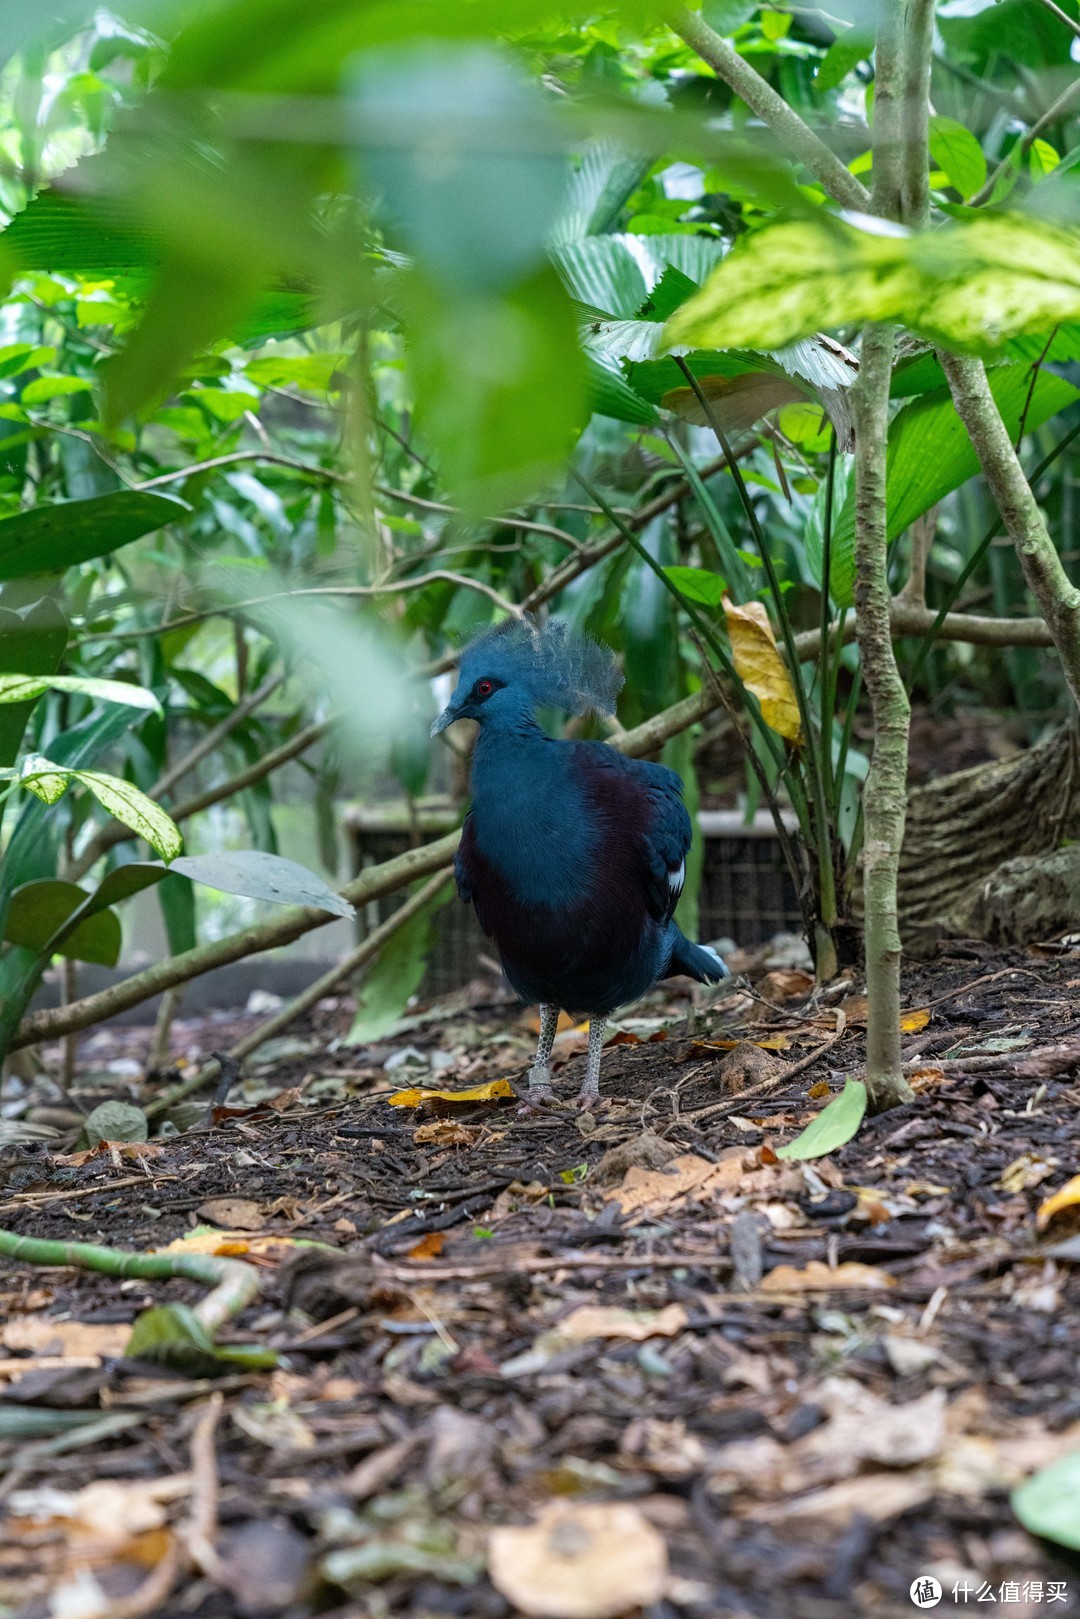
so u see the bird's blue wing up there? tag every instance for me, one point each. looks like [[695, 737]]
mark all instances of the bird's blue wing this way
[[463, 861], [666, 833]]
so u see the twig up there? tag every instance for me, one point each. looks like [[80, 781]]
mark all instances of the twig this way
[[200, 1531], [237, 456], [1050, 116], [514, 1264], [794, 133]]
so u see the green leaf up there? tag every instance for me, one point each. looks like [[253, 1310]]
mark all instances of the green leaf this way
[[727, 16], [38, 911], [845, 52], [930, 455], [124, 881], [25, 688], [609, 394], [259, 875], [31, 639], [1043, 159], [698, 585], [972, 285], [44, 779], [115, 1121], [601, 271], [1049, 1503], [835, 1125], [478, 218], [956, 151], [313, 372], [500, 387], [135, 810], [172, 1335], [395, 977], [48, 539], [42, 389]]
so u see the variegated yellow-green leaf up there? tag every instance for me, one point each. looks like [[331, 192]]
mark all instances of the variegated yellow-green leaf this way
[[137, 811], [23, 688], [45, 780], [973, 284], [761, 668]]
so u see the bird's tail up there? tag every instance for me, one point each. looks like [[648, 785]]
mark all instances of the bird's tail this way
[[698, 961]]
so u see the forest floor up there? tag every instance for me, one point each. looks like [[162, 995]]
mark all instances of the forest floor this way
[[564, 1364]]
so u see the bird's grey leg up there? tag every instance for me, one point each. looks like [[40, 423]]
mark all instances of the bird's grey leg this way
[[590, 1090], [540, 1072]]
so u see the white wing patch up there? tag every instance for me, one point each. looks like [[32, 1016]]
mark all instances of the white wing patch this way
[[676, 879]]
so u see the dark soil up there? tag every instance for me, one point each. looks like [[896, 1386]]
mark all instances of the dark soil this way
[[426, 1394]]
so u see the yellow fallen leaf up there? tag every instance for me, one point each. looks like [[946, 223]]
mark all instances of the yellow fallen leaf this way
[[1029, 1170], [761, 668], [1066, 1197], [856, 1008], [817, 1277], [611, 1321], [493, 1091]]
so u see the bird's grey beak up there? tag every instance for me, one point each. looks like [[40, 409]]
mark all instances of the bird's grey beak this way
[[447, 717]]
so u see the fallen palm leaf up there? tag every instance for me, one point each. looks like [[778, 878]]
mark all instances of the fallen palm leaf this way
[[835, 1125], [496, 1090], [761, 668], [1066, 1197]]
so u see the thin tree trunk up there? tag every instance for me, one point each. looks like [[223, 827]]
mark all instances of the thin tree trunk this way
[[885, 790]]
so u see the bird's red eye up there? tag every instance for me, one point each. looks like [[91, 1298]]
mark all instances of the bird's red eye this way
[[484, 688]]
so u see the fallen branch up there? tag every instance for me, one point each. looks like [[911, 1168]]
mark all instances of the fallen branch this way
[[233, 1284]]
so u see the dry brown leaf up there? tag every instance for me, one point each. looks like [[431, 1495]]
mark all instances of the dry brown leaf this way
[[110, 1149], [233, 1213], [1066, 1197], [108, 1510], [878, 1496], [532, 1022], [772, 1042], [735, 402], [580, 1560], [863, 1427], [816, 1092], [817, 1277], [761, 668], [1030, 1169], [785, 984], [76, 1338], [687, 1178], [445, 1133], [924, 1079], [610, 1321], [494, 1091]]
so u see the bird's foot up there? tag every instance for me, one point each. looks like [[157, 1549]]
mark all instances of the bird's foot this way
[[590, 1101], [540, 1096]]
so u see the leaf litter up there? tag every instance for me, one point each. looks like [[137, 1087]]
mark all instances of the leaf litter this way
[[637, 1361]]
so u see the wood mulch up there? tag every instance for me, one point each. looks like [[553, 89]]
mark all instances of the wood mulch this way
[[803, 1385]]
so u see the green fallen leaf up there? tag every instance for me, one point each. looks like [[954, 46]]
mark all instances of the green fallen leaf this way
[[115, 1121], [1049, 1503], [172, 1335], [835, 1125]]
